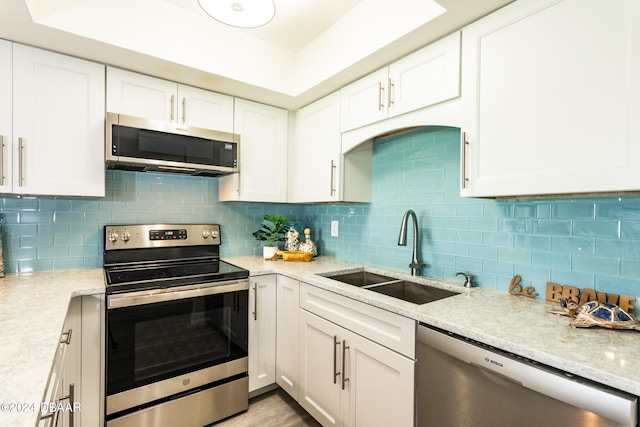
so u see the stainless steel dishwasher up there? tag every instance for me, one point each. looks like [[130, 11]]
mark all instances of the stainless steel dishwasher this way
[[463, 383]]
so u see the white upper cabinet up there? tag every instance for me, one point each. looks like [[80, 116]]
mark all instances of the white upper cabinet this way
[[551, 99], [318, 171], [6, 113], [315, 155], [152, 98], [365, 101], [422, 79], [58, 125], [204, 109], [263, 155], [141, 96]]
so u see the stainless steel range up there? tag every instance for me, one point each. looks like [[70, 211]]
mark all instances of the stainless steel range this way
[[177, 327]]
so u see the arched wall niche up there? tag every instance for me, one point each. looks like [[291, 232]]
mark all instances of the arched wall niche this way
[[446, 114]]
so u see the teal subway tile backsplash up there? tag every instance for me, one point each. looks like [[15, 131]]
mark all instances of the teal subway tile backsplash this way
[[54, 233], [587, 242]]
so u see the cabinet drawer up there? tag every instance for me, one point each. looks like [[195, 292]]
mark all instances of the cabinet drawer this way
[[381, 326]]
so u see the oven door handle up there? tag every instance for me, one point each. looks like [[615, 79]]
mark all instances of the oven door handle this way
[[131, 299]]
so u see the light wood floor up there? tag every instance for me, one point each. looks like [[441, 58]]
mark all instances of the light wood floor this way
[[273, 409]]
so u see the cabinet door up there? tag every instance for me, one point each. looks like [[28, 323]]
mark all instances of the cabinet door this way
[[320, 364], [380, 384], [425, 78], [262, 332], [551, 94], [58, 124], [63, 383], [316, 156], [6, 126], [365, 101], [287, 333], [141, 96], [263, 155], [204, 109]]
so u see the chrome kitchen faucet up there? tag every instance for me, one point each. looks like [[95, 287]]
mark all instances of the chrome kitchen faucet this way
[[415, 265]]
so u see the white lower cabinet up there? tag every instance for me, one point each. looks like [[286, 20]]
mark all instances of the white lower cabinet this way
[[345, 378], [73, 394], [262, 332], [287, 332], [65, 372]]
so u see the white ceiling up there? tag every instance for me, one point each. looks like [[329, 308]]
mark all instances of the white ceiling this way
[[297, 22], [309, 49]]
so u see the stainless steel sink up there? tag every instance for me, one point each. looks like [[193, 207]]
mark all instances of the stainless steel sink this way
[[361, 278], [405, 290], [416, 293]]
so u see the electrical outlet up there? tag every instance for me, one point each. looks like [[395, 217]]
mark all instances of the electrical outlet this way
[[334, 228]]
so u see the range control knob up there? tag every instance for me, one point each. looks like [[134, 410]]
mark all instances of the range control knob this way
[[214, 234], [206, 234], [126, 236], [113, 237]]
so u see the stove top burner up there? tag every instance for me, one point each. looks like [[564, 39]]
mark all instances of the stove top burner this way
[[119, 275], [142, 261], [121, 279]]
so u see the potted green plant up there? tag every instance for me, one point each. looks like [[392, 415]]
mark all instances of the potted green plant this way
[[272, 231]]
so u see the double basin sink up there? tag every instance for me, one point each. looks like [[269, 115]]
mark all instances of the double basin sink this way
[[405, 290]]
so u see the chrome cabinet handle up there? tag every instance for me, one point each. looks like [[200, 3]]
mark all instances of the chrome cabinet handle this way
[[336, 343], [332, 185], [184, 110], [72, 401], [344, 371], [389, 94], [21, 145], [255, 300], [65, 337], [465, 144], [71, 397], [380, 91], [172, 101]]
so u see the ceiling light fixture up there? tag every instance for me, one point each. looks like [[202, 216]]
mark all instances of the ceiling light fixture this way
[[240, 13]]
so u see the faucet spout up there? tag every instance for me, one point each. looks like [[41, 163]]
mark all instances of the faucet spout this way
[[415, 265]]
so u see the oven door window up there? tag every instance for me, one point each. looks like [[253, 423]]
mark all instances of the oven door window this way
[[153, 342]]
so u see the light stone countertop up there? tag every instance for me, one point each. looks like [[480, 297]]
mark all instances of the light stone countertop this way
[[33, 307], [516, 324], [32, 311]]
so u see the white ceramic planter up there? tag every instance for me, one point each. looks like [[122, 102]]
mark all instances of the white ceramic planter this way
[[269, 252]]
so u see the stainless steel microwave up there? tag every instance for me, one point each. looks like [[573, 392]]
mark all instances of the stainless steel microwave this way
[[144, 145]]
